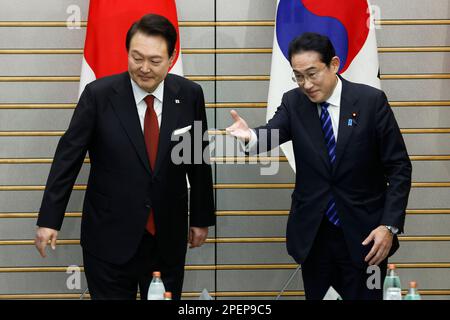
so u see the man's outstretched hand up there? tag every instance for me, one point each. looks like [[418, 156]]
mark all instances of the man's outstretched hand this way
[[239, 129]]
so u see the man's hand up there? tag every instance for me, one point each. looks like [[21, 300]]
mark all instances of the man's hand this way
[[197, 236], [239, 128], [382, 243], [43, 236]]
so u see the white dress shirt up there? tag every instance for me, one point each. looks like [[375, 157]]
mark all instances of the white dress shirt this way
[[334, 109], [140, 94]]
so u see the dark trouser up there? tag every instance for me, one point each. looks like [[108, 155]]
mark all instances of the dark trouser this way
[[329, 264], [109, 281]]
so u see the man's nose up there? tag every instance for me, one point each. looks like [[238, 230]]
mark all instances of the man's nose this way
[[145, 67], [307, 85]]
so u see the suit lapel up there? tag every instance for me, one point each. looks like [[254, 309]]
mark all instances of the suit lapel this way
[[311, 121], [169, 119], [125, 107], [348, 107]]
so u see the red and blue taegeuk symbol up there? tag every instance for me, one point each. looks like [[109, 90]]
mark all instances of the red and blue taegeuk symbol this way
[[344, 22]]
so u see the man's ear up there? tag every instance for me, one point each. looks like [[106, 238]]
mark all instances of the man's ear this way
[[172, 57], [335, 64]]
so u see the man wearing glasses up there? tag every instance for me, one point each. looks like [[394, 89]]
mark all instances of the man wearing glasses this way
[[353, 172]]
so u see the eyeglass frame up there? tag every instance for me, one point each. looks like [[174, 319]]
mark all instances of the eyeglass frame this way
[[310, 78]]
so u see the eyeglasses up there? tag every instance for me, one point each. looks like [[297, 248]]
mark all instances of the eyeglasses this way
[[311, 76]]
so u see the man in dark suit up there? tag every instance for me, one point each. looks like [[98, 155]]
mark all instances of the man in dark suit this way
[[353, 172], [135, 213]]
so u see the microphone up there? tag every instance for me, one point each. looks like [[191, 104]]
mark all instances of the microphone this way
[[288, 282], [84, 292]]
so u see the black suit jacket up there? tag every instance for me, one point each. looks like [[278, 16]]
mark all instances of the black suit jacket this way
[[370, 179], [122, 188]]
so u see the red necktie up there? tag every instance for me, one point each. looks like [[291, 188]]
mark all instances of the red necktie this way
[[151, 137]]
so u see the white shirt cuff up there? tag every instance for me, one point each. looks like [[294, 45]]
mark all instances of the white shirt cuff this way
[[249, 146]]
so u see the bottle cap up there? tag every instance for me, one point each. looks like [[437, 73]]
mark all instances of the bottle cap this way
[[156, 274], [168, 294], [391, 266], [413, 284]]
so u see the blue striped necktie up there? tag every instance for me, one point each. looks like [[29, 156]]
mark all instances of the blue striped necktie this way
[[327, 128]]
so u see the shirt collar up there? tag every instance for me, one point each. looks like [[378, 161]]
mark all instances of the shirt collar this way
[[140, 94], [335, 98]]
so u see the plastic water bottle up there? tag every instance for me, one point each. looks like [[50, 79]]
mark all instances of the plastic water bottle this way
[[413, 294], [167, 295], [392, 288], [156, 289]]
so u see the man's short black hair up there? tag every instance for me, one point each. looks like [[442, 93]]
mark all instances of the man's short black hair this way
[[154, 25], [310, 41]]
